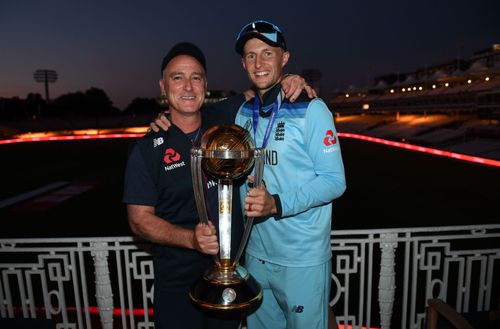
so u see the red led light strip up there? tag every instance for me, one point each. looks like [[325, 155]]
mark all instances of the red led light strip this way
[[458, 156], [137, 312], [116, 311], [67, 138], [91, 310]]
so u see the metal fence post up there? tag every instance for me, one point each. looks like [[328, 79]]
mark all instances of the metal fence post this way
[[387, 280], [104, 295]]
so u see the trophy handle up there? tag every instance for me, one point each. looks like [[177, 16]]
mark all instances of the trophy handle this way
[[198, 188], [197, 178], [258, 173]]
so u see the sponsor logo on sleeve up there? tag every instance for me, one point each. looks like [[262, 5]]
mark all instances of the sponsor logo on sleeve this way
[[329, 140]]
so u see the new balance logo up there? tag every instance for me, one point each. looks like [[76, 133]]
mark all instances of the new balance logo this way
[[157, 141], [298, 308]]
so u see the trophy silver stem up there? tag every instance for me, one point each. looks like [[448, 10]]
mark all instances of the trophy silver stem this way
[[225, 187]]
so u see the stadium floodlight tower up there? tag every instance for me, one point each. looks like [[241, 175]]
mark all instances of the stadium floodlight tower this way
[[45, 76]]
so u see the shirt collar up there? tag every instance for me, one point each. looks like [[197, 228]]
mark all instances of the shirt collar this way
[[268, 100]]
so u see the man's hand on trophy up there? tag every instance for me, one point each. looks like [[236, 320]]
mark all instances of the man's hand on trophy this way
[[258, 201], [205, 238], [161, 121]]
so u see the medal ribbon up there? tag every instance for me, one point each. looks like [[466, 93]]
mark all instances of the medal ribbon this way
[[255, 117]]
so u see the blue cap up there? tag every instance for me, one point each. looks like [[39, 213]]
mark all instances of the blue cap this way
[[263, 30]]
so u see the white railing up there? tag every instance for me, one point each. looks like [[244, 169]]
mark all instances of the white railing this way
[[381, 277]]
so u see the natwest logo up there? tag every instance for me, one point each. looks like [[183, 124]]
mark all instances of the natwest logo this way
[[171, 156], [330, 138]]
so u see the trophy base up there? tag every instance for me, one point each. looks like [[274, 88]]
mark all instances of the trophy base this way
[[226, 290]]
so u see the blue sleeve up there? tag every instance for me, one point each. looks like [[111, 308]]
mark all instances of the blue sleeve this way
[[139, 187], [322, 146]]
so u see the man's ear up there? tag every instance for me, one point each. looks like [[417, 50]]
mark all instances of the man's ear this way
[[162, 86], [286, 57], [243, 63]]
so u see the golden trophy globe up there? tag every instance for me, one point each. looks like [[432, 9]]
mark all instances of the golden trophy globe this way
[[226, 153]]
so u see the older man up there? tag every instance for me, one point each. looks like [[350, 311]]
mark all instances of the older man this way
[[159, 194]]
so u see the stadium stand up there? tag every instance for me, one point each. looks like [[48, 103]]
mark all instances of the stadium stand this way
[[453, 106]]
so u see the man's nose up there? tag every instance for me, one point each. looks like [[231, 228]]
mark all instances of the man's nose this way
[[188, 84], [258, 61]]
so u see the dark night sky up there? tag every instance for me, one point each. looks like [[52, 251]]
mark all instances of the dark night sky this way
[[118, 45]]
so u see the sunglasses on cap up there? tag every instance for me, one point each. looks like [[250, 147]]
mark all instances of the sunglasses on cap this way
[[267, 29]]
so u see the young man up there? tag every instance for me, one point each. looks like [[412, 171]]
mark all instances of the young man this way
[[289, 248]]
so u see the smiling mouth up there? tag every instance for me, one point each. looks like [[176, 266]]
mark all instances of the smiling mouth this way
[[261, 74]]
